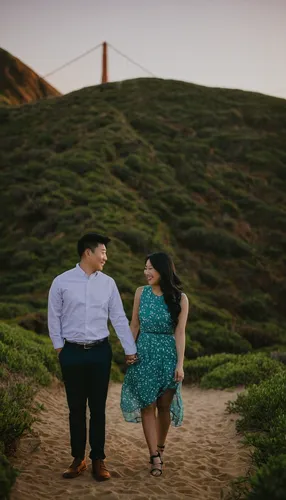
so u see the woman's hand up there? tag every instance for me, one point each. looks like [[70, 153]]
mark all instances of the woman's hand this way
[[130, 359], [179, 373]]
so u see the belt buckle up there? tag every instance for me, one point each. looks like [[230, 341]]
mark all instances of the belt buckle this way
[[87, 346]]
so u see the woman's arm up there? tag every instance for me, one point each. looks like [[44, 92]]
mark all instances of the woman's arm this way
[[135, 324], [180, 337]]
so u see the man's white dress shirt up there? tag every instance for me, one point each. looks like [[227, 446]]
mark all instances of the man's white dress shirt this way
[[79, 307]]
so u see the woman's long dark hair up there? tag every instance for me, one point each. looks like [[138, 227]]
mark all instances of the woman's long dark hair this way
[[170, 283]]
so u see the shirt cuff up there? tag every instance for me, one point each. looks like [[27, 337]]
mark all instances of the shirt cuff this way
[[58, 343], [130, 350]]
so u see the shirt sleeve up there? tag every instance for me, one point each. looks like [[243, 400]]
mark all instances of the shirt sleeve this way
[[120, 322], [55, 306]]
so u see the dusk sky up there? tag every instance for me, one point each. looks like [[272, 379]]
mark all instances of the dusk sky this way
[[217, 43]]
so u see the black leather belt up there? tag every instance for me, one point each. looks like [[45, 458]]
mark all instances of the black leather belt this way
[[89, 345]]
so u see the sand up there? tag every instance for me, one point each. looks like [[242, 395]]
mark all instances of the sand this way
[[200, 460]]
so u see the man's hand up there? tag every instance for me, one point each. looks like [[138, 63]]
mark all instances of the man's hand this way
[[131, 359], [59, 350]]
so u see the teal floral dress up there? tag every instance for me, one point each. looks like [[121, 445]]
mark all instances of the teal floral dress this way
[[148, 379]]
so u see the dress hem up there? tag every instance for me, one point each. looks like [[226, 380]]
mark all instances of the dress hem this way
[[132, 418]]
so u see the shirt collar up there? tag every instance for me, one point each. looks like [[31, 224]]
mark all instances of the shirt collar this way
[[80, 270]]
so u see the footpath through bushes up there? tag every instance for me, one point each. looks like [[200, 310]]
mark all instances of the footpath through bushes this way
[[262, 410], [27, 361]]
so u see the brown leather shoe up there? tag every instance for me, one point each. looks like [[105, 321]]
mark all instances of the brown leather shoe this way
[[75, 469], [99, 470]]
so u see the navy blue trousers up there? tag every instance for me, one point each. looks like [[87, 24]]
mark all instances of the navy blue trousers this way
[[86, 376]]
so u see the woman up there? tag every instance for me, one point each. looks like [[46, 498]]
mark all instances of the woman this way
[[151, 391]]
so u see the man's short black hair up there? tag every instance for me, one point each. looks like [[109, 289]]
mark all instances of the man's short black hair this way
[[91, 240]]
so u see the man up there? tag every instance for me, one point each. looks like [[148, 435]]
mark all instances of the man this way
[[80, 302]]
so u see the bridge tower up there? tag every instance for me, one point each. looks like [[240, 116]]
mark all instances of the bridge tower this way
[[104, 77]]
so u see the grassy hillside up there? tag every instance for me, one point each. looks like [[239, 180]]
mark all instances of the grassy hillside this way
[[155, 164], [19, 84]]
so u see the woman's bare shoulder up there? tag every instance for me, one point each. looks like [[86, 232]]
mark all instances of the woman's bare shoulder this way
[[184, 298], [139, 291]]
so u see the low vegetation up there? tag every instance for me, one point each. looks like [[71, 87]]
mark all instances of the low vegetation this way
[[157, 165], [263, 420], [262, 415], [28, 361]]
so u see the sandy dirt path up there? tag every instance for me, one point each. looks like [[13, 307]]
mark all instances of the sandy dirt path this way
[[201, 457]]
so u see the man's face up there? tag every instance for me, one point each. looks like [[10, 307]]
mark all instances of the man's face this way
[[97, 257]]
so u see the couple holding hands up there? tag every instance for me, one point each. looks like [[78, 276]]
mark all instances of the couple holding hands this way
[[80, 303]]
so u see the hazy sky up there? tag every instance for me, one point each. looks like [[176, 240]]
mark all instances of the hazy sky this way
[[219, 43]]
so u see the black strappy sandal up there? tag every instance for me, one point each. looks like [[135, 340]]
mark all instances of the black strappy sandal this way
[[156, 468], [161, 449]]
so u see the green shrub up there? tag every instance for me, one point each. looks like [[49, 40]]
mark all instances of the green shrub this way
[[188, 221], [20, 362], [33, 357], [136, 239], [254, 308], [210, 277], [7, 477], [15, 406], [193, 349], [216, 338], [9, 310], [221, 243], [279, 356], [269, 482], [177, 201], [3, 372], [36, 322], [262, 335], [123, 173], [196, 369], [261, 404], [225, 296], [245, 370], [25, 352], [229, 207], [200, 187], [202, 311], [262, 416], [271, 443], [135, 163]]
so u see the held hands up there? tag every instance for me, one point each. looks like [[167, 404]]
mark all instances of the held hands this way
[[179, 373], [130, 359]]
